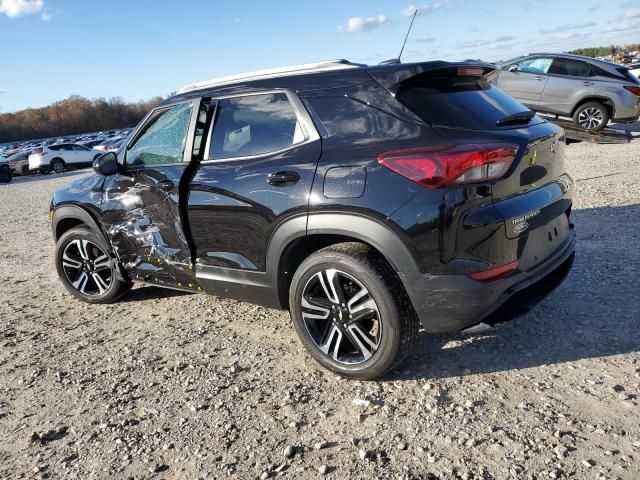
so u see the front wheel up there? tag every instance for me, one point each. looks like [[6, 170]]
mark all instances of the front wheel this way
[[592, 117], [85, 267], [351, 312]]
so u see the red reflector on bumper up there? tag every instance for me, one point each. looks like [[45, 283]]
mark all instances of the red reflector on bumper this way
[[495, 273]]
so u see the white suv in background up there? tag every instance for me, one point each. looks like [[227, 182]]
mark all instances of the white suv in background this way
[[60, 157]]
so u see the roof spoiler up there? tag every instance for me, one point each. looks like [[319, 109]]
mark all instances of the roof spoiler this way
[[392, 77]]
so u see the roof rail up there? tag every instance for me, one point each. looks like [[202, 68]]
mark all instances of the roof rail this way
[[273, 72]]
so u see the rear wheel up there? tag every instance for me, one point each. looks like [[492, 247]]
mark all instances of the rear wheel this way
[[351, 311], [25, 170], [5, 174], [86, 268], [57, 165], [592, 116]]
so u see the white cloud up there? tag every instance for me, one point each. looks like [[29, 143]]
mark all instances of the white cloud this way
[[45, 15], [426, 9], [622, 28], [566, 27], [492, 43], [632, 13], [568, 35], [362, 24], [18, 8], [424, 40]]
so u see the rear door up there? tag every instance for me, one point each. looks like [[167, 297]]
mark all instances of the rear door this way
[[525, 80], [257, 171], [67, 153], [83, 154], [568, 82], [142, 213]]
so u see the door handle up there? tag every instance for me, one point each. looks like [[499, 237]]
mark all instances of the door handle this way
[[587, 84], [539, 78], [281, 178], [165, 185]]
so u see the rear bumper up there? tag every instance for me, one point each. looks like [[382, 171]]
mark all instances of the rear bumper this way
[[447, 303]]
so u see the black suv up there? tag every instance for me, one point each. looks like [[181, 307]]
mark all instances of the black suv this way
[[368, 201]]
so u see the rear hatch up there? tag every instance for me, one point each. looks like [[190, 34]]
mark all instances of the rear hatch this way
[[533, 199]]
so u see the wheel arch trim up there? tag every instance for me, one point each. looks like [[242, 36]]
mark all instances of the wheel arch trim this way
[[358, 227], [607, 102], [69, 212]]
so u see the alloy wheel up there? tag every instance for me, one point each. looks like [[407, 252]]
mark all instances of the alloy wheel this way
[[58, 167], [87, 267], [341, 316], [590, 118]]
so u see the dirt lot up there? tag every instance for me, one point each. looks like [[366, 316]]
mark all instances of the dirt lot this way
[[171, 385]]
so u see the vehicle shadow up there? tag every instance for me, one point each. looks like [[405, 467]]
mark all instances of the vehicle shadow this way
[[594, 313], [150, 292], [49, 176]]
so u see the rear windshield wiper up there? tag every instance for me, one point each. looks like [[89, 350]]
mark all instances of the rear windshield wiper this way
[[515, 118]]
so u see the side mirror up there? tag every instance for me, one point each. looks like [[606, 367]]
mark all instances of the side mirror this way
[[106, 164], [513, 68]]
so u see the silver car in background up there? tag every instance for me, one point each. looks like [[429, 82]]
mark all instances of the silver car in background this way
[[590, 91]]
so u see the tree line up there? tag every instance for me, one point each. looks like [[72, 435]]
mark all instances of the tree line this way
[[74, 115], [604, 51]]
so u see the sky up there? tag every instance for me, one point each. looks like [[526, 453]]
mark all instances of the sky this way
[[137, 49]]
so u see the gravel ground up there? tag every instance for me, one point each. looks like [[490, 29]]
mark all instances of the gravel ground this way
[[171, 385]]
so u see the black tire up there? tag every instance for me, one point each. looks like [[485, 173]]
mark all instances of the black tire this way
[[90, 290], [5, 174], [57, 165], [25, 170], [591, 116], [394, 316]]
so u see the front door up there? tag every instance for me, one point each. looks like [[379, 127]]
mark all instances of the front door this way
[[525, 81], [256, 172], [142, 203]]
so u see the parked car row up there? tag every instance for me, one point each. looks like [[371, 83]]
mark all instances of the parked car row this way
[[59, 154]]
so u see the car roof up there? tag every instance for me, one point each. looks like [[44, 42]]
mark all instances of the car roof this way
[[313, 77], [303, 69], [576, 57]]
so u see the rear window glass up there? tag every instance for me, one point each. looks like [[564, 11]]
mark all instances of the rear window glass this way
[[626, 73], [457, 101]]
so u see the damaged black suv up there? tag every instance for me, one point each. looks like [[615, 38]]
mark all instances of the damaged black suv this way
[[368, 201]]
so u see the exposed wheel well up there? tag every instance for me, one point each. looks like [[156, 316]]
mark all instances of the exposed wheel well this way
[[605, 101], [67, 224], [57, 158], [299, 249]]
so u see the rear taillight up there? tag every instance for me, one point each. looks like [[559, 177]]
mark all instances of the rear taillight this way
[[633, 89], [445, 166], [495, 273]]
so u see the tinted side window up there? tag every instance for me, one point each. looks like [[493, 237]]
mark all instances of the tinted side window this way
[[254, 125], [55, 147], [535, 65], [572, 68], [164, 138]]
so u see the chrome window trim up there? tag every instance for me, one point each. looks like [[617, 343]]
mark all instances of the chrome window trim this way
[[302, 116]]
